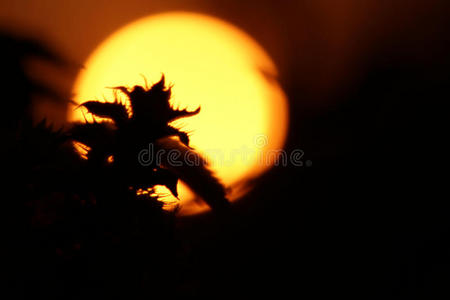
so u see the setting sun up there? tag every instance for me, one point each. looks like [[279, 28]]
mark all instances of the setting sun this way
[[211, 64]]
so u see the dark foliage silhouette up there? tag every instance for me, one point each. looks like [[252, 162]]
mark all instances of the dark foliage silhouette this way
[[75, 228], [120, 140]]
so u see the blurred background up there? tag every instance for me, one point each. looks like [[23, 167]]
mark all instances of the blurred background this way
[[367, 81]]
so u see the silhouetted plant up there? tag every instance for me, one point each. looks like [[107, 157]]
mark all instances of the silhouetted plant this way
[[76, 228], [117, 140]]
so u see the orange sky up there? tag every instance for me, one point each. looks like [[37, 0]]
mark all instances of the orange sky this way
[[317, 44]]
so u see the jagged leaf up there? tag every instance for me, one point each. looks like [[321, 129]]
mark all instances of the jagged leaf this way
[[115, 111]]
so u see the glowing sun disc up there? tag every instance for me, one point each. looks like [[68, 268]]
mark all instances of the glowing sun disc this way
[[210, 63]]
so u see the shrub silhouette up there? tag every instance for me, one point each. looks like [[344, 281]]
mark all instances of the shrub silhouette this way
[[76, 228], [117, 141]]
